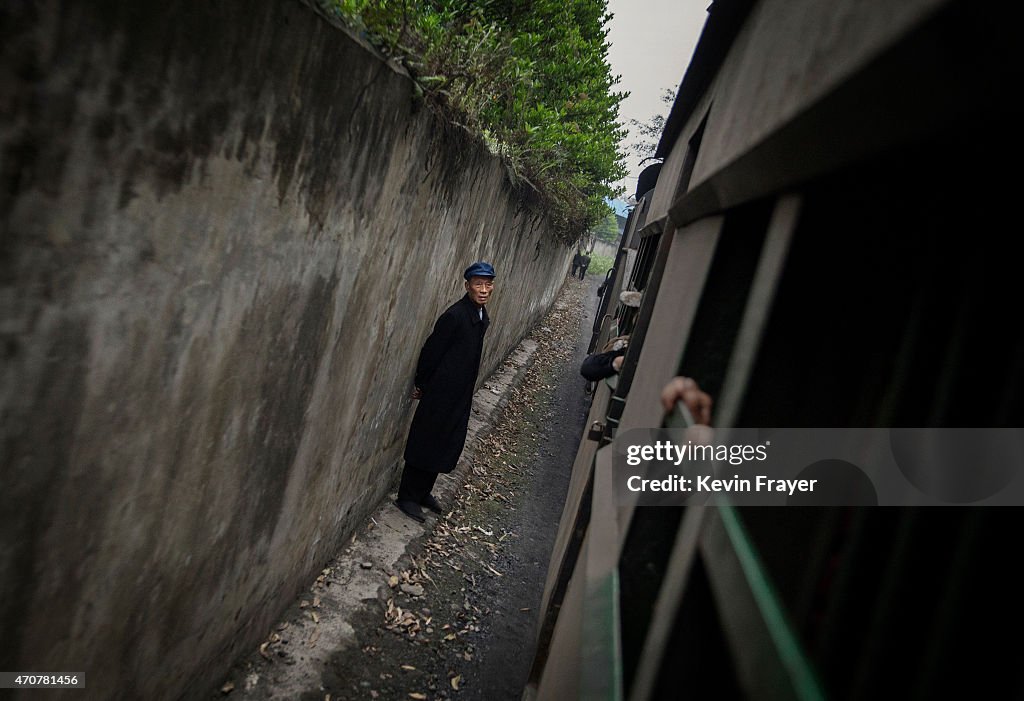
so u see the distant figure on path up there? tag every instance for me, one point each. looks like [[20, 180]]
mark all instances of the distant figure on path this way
[[445, 378], [576, 260], [584, 264]]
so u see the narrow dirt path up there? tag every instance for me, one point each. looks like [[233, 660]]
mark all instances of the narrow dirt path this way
[[541, 428], [457, 618], [471, 633]]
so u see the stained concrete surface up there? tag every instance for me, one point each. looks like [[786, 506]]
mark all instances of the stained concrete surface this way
[[225, 231]]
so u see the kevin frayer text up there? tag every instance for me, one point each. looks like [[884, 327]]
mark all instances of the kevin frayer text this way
[[707, 483], [666, 451]]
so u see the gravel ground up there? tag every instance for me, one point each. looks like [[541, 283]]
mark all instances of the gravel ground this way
[[457, 617]]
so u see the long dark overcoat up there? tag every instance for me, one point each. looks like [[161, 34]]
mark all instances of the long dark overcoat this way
[[446, 373]]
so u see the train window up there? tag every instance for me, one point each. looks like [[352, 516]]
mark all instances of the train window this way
[[895, 303], [725, 293]]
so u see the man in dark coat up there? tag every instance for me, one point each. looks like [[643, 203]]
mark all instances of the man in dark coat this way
[[584, 264], [445, 379]]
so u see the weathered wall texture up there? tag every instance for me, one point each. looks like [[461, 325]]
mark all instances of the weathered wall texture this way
[[227, 230]]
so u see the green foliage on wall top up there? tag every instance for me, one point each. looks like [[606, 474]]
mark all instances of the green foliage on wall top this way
[[531, 77]]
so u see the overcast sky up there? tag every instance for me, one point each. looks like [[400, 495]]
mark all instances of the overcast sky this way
[[651, 44]]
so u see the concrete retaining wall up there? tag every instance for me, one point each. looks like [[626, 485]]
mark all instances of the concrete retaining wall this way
[[227, 229]]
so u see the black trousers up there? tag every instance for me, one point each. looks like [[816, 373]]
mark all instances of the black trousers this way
[[416, 484]]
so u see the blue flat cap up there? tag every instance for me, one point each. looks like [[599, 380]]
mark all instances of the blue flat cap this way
[[479, 269]]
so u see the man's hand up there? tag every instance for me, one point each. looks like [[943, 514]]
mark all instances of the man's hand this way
[[685, 389], [617, 363], [417, 393]]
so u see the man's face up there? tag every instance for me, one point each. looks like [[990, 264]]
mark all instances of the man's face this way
[[479, 289]]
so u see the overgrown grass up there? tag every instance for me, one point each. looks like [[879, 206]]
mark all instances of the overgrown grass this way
[[599, 265]]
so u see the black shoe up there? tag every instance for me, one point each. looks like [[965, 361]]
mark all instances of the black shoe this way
[[431, 503], [411, 509]]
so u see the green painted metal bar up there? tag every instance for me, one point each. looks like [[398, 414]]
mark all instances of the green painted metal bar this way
[[680, 417], [602, 646], [790, 653], [601, 653]]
